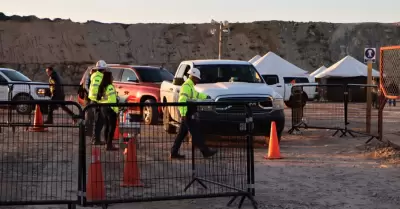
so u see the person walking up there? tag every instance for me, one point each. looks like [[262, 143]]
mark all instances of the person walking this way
[[95, 80], [56, 94], [188, 124], [107, 94]]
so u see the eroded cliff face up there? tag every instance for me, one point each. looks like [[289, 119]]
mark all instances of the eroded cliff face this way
[[30, 44]]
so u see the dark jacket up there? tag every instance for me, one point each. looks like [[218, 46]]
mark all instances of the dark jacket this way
[[56, 86]]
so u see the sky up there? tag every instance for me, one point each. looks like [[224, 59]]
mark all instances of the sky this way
[[202, 11]]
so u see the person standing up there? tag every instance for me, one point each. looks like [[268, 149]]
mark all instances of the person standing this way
[[95, 80], [188, 124], [56, 94], [107, 94]]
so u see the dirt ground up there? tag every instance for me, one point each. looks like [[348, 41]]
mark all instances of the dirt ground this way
[[318, 171]]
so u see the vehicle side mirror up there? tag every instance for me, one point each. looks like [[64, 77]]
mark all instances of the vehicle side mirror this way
[[132, 80]]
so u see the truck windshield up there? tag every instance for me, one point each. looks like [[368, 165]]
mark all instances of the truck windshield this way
[[15, 76], [229, 73], [154, 75]]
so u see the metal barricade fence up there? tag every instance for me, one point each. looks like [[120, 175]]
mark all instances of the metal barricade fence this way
[[38, 164], [141, 169], [324, 112], [339, 107], [24, 91], [57, 164], [359, 120]]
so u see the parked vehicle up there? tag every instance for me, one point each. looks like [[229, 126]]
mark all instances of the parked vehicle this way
[[226, 80], [283, 85], [16, 86], [136, 84]]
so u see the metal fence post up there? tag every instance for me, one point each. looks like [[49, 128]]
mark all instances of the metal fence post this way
[[82, 162]]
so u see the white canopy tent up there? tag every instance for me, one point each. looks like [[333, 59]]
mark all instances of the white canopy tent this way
[[319, 70], [254, 59], [346, 68], [274, 64]]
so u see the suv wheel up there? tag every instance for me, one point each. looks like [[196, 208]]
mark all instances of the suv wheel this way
[[150, 113], [23, 109]]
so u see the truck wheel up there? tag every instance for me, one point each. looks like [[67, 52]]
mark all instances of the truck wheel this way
[[150, 113], [23, 109], [169, 128]]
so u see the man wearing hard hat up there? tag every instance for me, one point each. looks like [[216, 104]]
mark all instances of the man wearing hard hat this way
[[95, 79], [188, 124]]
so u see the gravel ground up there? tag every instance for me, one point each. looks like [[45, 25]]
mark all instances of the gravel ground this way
[[318, 171]]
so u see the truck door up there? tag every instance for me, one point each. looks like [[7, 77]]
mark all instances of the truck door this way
[[274, 82], [3, 89]]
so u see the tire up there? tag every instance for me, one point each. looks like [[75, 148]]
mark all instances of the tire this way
[[23, 109], [150, 113], [169, 128]]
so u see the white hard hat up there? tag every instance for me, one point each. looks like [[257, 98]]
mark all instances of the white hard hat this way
[[101, 65], [195, 72]]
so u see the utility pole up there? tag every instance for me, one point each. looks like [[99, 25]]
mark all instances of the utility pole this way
[[223, 28]]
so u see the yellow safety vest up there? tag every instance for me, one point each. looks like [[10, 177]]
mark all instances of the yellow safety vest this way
[[110, 96], [95, 80], [188, 93]]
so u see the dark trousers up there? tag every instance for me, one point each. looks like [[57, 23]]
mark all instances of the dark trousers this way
[[54, 107], [98, 122], [191, 126], [110, 123]]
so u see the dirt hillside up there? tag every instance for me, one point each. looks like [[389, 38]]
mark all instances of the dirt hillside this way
[[29, 44]]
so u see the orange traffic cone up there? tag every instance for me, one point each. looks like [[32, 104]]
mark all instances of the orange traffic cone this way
[[95, 189], [38, 121], [273, 149], [131, 169]]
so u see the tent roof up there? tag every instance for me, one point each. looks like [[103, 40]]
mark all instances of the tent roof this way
[[347, 67], [322, 68], [274, 64], [255, 58]]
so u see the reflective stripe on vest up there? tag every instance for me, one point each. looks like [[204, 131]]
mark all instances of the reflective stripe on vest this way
[[95, 80], [110, 97]]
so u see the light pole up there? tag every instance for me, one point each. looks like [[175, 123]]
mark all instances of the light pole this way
[[223, 28]]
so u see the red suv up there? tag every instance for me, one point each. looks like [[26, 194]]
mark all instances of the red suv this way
[[136, 84]]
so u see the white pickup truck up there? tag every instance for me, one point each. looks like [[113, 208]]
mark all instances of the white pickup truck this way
[[226, 81], [16, 86], [283, 85]]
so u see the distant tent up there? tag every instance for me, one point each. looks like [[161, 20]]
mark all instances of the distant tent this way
[[346, 71], [274, 64], [346, 68], [319, 70], [254, 59]]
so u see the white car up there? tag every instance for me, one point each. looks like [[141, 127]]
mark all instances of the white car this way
[[15, 86], [227, 81]]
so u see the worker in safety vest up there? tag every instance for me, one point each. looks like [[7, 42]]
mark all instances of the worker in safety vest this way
[[95, 80], [188, 124], [107, 94]]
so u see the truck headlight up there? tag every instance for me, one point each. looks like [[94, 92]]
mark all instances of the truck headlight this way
[[278, 104], [41, 92]]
